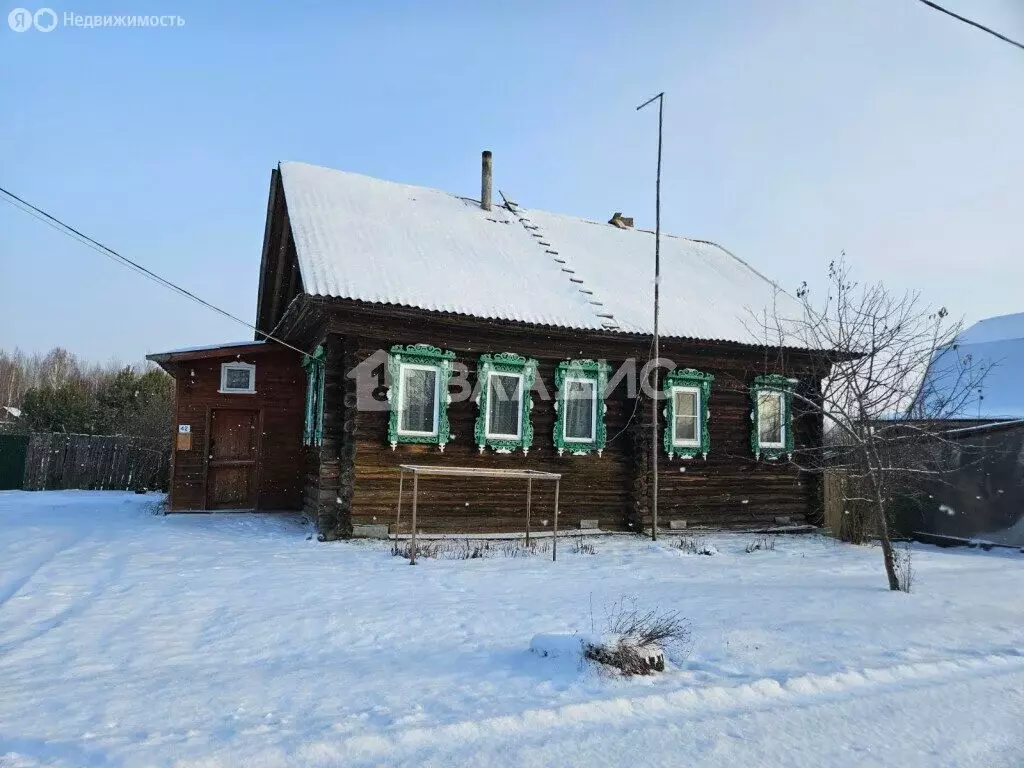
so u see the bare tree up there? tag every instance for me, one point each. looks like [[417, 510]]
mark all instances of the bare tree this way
[[885, 403]]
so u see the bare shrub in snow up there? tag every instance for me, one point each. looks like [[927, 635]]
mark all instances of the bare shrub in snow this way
[[429, 549], [629, 659], [762, 543], [903, 563], [669, 630], [638, 640], [696, 545], [519, 548], [469, 549], [582, 547]]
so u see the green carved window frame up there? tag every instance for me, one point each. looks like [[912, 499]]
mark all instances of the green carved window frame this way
[[687, 380], [772, 385], [580, 370], [313, 428], [419, 356], [507, 363]]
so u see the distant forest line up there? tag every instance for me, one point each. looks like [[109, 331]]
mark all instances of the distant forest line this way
[[60, 392]]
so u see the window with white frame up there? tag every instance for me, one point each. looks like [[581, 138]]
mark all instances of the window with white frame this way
[[686, 416], [504, 383], [770, 429], [687, 413], [580, 406], [771, 433], [579, 400], [418, 399], [238, 379], [419, 376], [504, 406]]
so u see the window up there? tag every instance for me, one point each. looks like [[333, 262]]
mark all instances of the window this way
[[313, 431], [504, 382], [579, 406], [687, 413], [769, 419], [771, 434], [685, 419], [417, 399], [580, 411], [419, 376], [238, 379], [504, 406]]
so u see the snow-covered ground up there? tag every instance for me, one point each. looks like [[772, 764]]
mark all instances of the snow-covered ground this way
[[131, 639]]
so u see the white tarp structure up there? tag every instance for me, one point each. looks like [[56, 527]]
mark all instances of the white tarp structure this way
[[995, 345]]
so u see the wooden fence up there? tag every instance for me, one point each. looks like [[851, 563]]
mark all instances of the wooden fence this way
[[96, 462]]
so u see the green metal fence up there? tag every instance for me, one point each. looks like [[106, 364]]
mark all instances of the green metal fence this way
[[13, 452]]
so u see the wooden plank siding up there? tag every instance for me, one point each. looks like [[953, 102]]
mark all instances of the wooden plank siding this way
[[280, 396], [730, 488]]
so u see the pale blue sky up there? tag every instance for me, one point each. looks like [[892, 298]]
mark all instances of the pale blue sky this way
[[794, 129]]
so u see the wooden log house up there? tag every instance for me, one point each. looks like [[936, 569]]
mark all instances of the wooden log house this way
[[424, 327]]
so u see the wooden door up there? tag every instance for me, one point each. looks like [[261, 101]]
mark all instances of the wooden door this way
[[233, 459]]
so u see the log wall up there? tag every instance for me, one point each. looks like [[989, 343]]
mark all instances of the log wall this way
[[730, 488]]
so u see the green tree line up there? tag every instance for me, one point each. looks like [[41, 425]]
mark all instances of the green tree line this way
[[58, 392]]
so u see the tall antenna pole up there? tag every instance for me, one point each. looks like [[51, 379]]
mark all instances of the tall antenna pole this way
[[657, 285]]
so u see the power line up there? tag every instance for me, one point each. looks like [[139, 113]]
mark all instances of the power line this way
[[975, 24], [74, 234]]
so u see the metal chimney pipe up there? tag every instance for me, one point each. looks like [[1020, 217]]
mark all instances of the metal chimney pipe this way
[[485, 180]]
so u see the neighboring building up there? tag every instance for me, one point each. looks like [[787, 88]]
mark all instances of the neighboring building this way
[[985, 498], [990, 354], [423, 317], [10, 417]]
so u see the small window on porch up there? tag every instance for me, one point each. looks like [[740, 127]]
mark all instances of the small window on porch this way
[[237, 379]]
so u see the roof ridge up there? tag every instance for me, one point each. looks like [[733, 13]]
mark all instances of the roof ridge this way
[[606, 318]]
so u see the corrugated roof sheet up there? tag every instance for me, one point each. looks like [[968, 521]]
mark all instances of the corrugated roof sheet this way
[[361, 238]]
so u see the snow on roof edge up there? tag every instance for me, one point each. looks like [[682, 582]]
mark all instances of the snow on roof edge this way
[[206, 348]]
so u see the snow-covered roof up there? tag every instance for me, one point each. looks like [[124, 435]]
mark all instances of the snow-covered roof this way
[[12, 411], [210, 347], [995, 345], [361, 238], [225, 349]]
